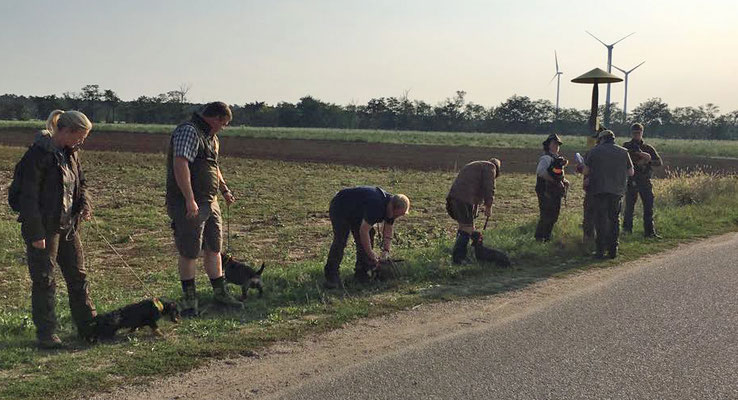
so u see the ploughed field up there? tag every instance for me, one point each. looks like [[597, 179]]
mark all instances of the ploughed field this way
[[368, 154]]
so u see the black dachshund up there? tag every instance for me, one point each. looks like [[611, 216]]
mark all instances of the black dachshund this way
[[487, 254], [133, 317], [241, 274]]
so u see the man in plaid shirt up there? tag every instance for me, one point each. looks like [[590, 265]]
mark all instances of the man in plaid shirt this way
[[193, 182]]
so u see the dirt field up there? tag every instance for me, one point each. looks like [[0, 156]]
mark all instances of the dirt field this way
[[421, 157]]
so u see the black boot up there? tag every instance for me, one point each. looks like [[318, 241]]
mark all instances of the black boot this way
[[459, 251], [612, 252], [332, 279]]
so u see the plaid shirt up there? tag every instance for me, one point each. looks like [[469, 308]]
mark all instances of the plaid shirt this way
[[184, 139]]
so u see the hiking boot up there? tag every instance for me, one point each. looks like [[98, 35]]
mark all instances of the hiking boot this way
[[188, 304], [332, 281], [49, 342], [460, 246], [612, 252], [652, 235], [361, 275], [221, 296]]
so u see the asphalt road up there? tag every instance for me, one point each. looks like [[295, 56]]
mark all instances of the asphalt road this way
[[667, 329]]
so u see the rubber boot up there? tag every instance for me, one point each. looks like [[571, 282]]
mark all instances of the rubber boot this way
[[460, 247], [221, 295]]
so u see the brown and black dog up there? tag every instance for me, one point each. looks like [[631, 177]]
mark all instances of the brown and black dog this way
[[239, 273]]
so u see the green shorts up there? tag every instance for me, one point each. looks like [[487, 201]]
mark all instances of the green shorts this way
[[463, 213], [193, 235]]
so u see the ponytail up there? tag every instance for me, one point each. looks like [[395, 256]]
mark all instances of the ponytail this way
[[53, 120], [74, 120]]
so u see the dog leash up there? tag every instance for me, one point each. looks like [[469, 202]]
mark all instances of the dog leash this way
[[97, 229], [228, 228]]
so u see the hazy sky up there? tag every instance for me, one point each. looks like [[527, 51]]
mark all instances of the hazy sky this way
[[351, 51]]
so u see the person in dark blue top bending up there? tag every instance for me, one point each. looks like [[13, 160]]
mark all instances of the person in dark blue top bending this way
[[356, 210]]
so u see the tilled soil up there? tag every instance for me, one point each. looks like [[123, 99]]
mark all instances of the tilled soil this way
[[382, 155]]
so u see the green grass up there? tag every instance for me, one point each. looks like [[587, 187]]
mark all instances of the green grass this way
[[709, 148], [281, 218]]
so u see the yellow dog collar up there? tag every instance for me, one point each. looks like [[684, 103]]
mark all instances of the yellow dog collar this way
[[158, 305]]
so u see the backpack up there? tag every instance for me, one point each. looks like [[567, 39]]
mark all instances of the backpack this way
[[14, 190]]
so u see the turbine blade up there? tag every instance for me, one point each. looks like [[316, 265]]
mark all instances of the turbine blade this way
[[619, 69], [603, 43], [552, 79], [557, 61], [621, 39], [636, 67]]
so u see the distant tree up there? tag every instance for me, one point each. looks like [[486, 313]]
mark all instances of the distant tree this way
[[449, 114], [182, 91], [16, 107], [287, 114], [71, 100], [517, 114], [91, 95], [111, 101], [709, 112], [46, 104], [654, 113]]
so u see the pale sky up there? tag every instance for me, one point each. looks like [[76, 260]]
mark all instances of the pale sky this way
[[351, 51]]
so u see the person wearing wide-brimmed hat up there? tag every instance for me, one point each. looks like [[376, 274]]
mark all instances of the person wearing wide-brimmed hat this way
[[548, 189]]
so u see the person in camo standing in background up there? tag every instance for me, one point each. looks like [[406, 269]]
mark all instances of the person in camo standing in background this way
[[52, 201], [644, 157], [474, 185], [608, 167], [193, 182]]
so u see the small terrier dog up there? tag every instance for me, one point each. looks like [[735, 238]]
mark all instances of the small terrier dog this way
[[241, 274], [487, 254], [133, 317], [556, 170]]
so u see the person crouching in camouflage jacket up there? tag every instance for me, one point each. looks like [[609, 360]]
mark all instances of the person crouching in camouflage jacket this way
[[474, 185]]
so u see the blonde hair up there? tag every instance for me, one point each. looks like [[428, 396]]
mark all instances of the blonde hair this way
[[75, 120], [400, 202]]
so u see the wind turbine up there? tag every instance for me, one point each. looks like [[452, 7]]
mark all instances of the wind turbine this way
[[557, 76], [609, 69], [625, 101]]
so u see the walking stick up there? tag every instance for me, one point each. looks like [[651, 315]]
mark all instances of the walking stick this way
[[485, 223]]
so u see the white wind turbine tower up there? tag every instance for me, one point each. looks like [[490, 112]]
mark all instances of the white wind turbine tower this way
[[625, 100], [609, 69], [557, 76]]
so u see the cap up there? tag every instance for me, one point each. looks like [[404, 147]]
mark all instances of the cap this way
[[606, 133]]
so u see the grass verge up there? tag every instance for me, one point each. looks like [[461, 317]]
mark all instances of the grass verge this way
[[281, 217]]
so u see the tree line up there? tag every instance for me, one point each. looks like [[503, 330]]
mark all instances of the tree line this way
[[517, 114]]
